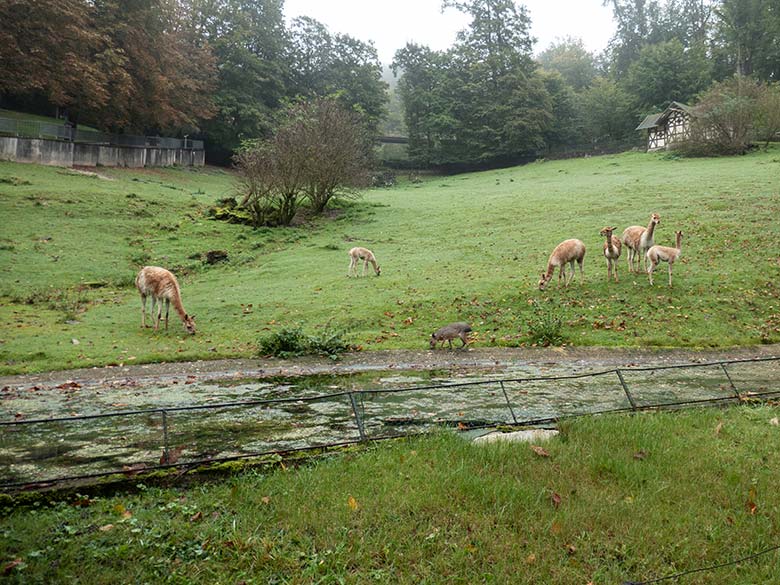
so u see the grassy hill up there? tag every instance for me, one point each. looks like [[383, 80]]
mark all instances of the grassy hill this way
[[36, 118], [466, 247]]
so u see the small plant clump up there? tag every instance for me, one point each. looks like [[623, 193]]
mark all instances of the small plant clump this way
[[293, 342], [546, 327]]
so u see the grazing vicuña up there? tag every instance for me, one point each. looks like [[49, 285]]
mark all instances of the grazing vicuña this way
[[364, 254], [567, 252], [162, 286]]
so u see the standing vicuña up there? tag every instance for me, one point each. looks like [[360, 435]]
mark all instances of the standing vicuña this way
[[612, 249], [364, 254], [658, 254], [162, 286], [567, 252], [638, 240]]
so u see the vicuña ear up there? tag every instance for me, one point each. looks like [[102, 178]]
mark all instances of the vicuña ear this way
[[192, 317]]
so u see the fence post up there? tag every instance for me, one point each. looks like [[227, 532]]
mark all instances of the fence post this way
[[165, 435], [725, 371], [357, 417], [625, 389], [506, 397]]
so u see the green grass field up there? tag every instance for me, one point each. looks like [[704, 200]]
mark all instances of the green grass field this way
[[36, 118], [617, 499], [466, 247]]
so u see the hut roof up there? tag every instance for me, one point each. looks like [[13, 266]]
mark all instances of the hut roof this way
[[654, 120]]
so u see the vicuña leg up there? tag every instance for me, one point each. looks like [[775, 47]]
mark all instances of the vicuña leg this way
[[156, 316], [167, 309], [143, 311]]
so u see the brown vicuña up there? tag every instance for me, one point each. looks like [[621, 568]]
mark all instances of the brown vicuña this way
[[162, 286], [567, 252], [612, 249], [364, 254], [658, 254], [638, 240]]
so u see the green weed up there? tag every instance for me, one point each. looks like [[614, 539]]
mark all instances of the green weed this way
[[546, 326]]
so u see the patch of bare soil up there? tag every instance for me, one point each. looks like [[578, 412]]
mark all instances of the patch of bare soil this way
[[498, 358]]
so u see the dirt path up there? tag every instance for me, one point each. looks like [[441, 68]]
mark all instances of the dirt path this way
[[480, 358]]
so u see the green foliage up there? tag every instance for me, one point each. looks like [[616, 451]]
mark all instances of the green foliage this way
[[291, 341], [285, 343], [478, 103], [609, 504], [545, 328], [668, 71], [572, 60]]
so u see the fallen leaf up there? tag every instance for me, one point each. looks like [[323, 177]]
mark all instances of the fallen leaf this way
[[640, 455], [571, 549], [530, 559], [265, 500], [8, 567], [196, 516], [539, 451], [751, 502], [555, 528], [718, 428], [352, 502], [556, 500], [171, 456], [774, 422], [134, 469], [106, 528], [462, 427]]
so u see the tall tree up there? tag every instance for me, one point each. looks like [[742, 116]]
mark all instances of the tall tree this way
[[667, 71], [322, 64], [170, 74], [249, 40], [572, 60], [750, 30], [54, 48], [481, 102]]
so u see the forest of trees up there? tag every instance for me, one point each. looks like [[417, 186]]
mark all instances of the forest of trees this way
[[224, 69]]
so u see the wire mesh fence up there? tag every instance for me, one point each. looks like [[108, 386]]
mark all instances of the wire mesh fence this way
[[38, 129], [42, 451]]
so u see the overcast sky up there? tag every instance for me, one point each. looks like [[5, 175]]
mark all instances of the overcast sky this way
[[390, 24]]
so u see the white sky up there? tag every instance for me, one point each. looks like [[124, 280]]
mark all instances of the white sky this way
[[390, 24]]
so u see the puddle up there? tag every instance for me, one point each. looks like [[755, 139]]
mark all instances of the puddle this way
[[220, 417]]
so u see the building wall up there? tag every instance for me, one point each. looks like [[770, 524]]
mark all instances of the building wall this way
[[67, 154]]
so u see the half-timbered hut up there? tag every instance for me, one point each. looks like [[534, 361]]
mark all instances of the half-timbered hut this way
[[668, 127]]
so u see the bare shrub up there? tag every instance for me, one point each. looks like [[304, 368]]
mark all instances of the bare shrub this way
[[319, 150], [725, 118]]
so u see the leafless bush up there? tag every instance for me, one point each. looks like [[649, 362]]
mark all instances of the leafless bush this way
[[318, 151], [725, 120]]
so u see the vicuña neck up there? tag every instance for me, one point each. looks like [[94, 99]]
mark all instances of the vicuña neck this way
[[650, 228], [178, 307]]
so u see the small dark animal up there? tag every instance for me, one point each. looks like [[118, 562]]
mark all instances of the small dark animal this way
[[450, 332]]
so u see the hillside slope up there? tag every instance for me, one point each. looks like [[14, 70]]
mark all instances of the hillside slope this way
[[466, 247]]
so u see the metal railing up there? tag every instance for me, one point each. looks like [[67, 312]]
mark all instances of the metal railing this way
[[36, 129], [130, 441]]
